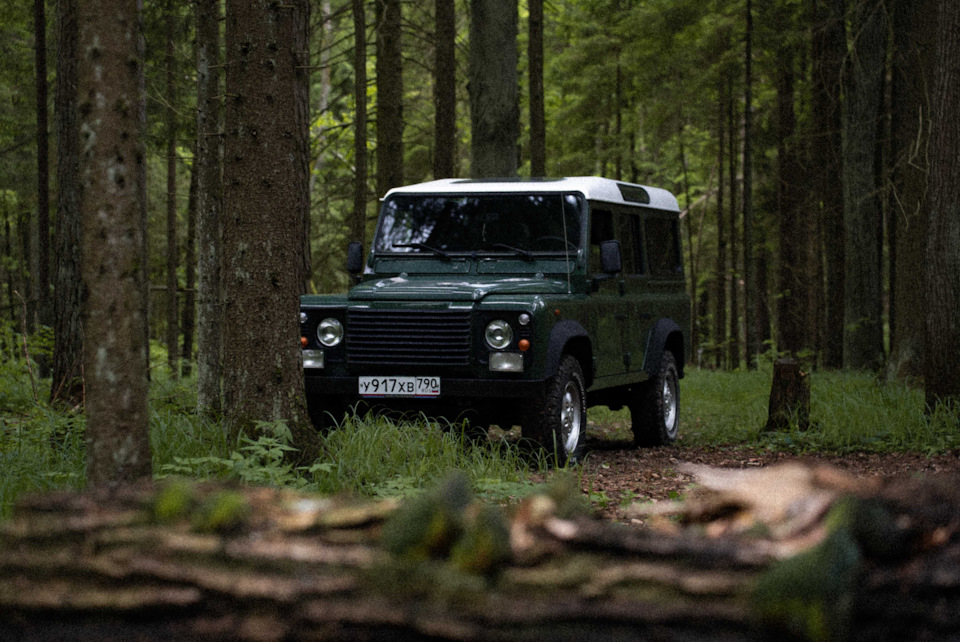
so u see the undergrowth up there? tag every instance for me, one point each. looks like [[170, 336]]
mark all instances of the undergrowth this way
[[42, 448], [849, 412]]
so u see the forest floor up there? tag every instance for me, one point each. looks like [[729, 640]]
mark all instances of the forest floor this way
[[616, 475]]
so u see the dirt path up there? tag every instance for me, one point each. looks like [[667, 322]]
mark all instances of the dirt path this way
[[617, 475]]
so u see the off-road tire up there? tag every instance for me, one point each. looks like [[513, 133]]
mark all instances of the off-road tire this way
[[655, 406], [557, 421]]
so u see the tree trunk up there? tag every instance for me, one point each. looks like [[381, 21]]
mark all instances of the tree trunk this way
[[445, 90], [251, 564], [863, 91], [789, 396], [828, 52], [749, 274], [389, 95], [792, 301], [144, 260], [265, 191], [43, 166], [942, 372], [691, 254], [173, 247], [913, 64], [538, 127], [207, 166], [358, 221], [733, 351], [301, 125], [190, 267], [66, 386], [118, 444], [494, 103], [720, 312]]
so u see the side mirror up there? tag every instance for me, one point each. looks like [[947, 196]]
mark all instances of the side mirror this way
[[611, 262], [354, 258]]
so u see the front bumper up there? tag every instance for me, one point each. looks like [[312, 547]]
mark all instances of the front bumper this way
[[452, 388]]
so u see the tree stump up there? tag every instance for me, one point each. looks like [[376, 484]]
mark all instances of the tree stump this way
[[789, 396], [213, 562]]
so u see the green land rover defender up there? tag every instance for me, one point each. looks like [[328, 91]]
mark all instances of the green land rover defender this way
[[510, 302]]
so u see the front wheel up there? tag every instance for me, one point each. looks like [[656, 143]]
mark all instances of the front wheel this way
[[557, 422], [655, 407]]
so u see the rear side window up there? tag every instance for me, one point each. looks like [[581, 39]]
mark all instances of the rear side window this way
[[663, 247]]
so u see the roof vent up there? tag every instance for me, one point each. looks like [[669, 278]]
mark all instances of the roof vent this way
[[634, 194]]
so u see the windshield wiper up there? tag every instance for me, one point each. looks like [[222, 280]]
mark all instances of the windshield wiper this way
[[523, 254], [423, 246]]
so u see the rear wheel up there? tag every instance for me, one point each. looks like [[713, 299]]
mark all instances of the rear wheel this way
[[557, 421], [655, 407]]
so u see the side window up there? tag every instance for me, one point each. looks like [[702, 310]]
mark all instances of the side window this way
[[636, 232], [628, 243], [601, 229], [663, 248]]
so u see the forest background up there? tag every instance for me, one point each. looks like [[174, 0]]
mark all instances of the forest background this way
[[811, 145]]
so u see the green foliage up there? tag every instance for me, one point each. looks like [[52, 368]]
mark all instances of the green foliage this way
[[444, 523], [42, 449], [850, 412], [811, 594]]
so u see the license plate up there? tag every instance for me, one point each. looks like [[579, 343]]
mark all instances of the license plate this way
[[399, 386]]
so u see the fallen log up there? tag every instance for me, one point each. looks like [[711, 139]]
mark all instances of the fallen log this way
[[217, 562]]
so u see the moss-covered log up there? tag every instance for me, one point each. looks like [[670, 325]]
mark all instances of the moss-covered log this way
[[214, 562]]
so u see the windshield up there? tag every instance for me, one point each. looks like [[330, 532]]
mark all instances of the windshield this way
[[521, 225]]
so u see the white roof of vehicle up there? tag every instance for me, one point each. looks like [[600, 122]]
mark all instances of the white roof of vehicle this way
[[593, 188]]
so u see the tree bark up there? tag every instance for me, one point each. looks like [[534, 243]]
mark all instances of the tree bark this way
[[494, 103], [912, 79], [828, 51], [248, 564], [208, 165], [733, 351], [43, 166], [749, 274], [66, 386], [173, 247], [942, 371], [722, 272], [863, 91], [538, 127], [265, 191], [445, 91], [389, 95], [118, 444], [188, 319], [792, 301], [789, 396], [144, 261], [358, 220]]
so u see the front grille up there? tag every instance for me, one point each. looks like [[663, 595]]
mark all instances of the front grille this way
[[408, 337]]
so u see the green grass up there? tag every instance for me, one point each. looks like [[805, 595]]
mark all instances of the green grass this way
[[849, 412], [42, 449]]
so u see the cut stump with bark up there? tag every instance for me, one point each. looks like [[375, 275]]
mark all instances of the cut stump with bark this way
[[789, 396], [806, 551]]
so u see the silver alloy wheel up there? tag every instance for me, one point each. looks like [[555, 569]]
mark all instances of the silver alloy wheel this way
[[670, 406], [571, 417]]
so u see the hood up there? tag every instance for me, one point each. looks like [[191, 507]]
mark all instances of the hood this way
[[451, 289]]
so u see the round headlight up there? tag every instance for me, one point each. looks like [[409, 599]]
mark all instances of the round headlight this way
[[499, 334], [330, 332]]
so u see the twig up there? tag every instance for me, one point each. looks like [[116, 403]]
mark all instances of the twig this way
[[26, 351]]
